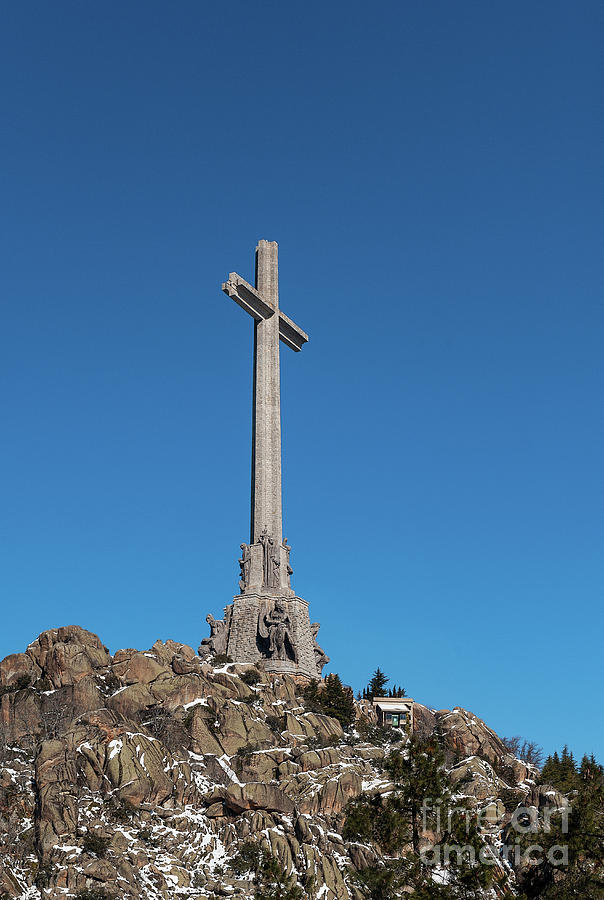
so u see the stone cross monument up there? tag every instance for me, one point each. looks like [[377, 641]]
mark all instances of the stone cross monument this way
[[267, 621]]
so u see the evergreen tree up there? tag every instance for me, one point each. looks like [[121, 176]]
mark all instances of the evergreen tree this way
[[550, 772], [339, 700], [418, 774], [376, 686], [331, 698], [311, 695], [271, 882], [584, 876], [420, 798], [561, 772]]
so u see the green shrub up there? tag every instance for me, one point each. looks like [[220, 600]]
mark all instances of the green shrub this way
[[269, 878], [43, 875], [247, 750], [276, 723], [319, 742], [95, 843], [112, 683], [95, 893], [22, 682], [221, 659], [377, 734], [251, 676], [121, 811]]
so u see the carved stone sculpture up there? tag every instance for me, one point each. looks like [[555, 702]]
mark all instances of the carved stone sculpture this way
[[289, 569], [275, 569], [320, 656], [277, 626], [216, 643], [244, 565], [271, 564], [267, 544]]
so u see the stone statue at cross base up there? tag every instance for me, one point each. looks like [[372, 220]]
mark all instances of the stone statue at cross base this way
[[216, 643], [321, 657], [275, 625], [244, 564], [289, 569]]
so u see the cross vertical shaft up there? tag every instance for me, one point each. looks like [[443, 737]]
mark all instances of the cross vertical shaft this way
[[266, 510], [265, 560], [267, 621]]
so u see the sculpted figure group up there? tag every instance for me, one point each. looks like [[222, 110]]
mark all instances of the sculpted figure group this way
[[271, 563], [277, 627], [278, 631], [274, 627], [216, 643]]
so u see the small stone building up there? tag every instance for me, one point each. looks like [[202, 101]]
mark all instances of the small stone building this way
[[394, 712]]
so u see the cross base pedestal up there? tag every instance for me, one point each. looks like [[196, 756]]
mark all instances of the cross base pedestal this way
[[268, 628]]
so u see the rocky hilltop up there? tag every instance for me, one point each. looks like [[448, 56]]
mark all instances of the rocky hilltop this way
[[143, 773]]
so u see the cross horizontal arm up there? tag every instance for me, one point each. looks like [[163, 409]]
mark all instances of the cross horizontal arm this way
[[290, 334], [247, 297]]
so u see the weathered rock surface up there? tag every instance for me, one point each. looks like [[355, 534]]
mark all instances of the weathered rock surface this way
[[143, 772]]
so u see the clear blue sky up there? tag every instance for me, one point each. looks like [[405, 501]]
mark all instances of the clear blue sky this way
[[433, 174]]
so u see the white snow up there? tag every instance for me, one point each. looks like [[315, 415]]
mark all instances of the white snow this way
[[200, 701], [115, 746]]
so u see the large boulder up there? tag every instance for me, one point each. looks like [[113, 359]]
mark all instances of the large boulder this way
[[133, 667], [239, 728], [464, 734], [64, 655], [21, 716], [115, 756], [257, 795], [18, 669], [56, 785], [475, 777], [131, 700]]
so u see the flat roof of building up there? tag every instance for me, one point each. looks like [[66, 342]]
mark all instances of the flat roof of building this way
[[393, 701]]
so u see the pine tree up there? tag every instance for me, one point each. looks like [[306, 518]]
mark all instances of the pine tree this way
[[422, 788], [331, 698], [584, 876], [561, 771], [339, 700], [417, 774], [270, 880], [376, 686], [311, 695]]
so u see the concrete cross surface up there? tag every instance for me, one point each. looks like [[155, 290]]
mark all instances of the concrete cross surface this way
[[267, 621], [270, 326]]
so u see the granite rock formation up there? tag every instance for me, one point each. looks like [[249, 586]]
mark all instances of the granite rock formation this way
[[143, 772]]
